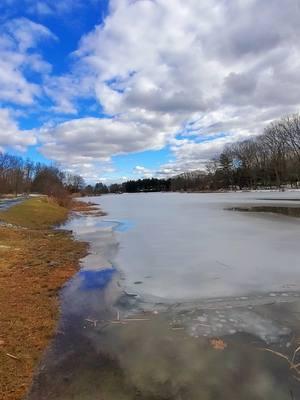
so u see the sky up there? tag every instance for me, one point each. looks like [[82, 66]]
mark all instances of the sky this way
[[119, 89]]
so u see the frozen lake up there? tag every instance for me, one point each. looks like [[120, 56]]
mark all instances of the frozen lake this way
[[187, 246]]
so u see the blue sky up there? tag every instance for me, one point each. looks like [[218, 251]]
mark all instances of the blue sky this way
[[115, 89]]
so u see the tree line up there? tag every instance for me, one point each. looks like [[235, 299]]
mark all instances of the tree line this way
[[269, 160], [131, 186], [20, 176]]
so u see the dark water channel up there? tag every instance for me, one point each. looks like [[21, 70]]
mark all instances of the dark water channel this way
[[179, 298]]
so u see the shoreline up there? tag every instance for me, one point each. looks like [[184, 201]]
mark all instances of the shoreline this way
[[36, 261]]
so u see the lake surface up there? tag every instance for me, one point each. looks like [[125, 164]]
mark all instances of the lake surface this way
[[178, 299], [192, 248]]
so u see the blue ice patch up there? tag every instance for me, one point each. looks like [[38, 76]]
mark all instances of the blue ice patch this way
[[99, 279]]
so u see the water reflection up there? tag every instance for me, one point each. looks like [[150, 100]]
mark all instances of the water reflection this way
[[149, 360], [288, 211], [91, 280]]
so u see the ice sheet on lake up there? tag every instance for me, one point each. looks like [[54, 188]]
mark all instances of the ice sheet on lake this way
[[187, 246], [188, 249]]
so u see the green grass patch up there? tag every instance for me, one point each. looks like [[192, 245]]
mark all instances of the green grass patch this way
[[35, 213]]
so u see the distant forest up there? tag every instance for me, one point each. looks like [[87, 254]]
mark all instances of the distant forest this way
[[270, 160]]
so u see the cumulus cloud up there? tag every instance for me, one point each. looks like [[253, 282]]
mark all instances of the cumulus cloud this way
[[168, 71], [11, 135], [64, 91], [19, 58], [97, 139]]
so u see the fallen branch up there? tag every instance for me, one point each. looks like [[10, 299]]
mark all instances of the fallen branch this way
[[12, 356], [294, 367]]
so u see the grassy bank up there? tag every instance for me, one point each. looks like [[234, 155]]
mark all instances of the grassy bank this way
[[35, 261], [35, 213]]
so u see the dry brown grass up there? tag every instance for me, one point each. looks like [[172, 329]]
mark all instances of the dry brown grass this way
[[86, 208], [34, 264]]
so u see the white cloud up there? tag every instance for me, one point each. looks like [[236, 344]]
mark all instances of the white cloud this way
[[97, 139], [64, 90], [11, 135], [143, 172], [200, 68], [25, 34], [18, 40], [19, 58]]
